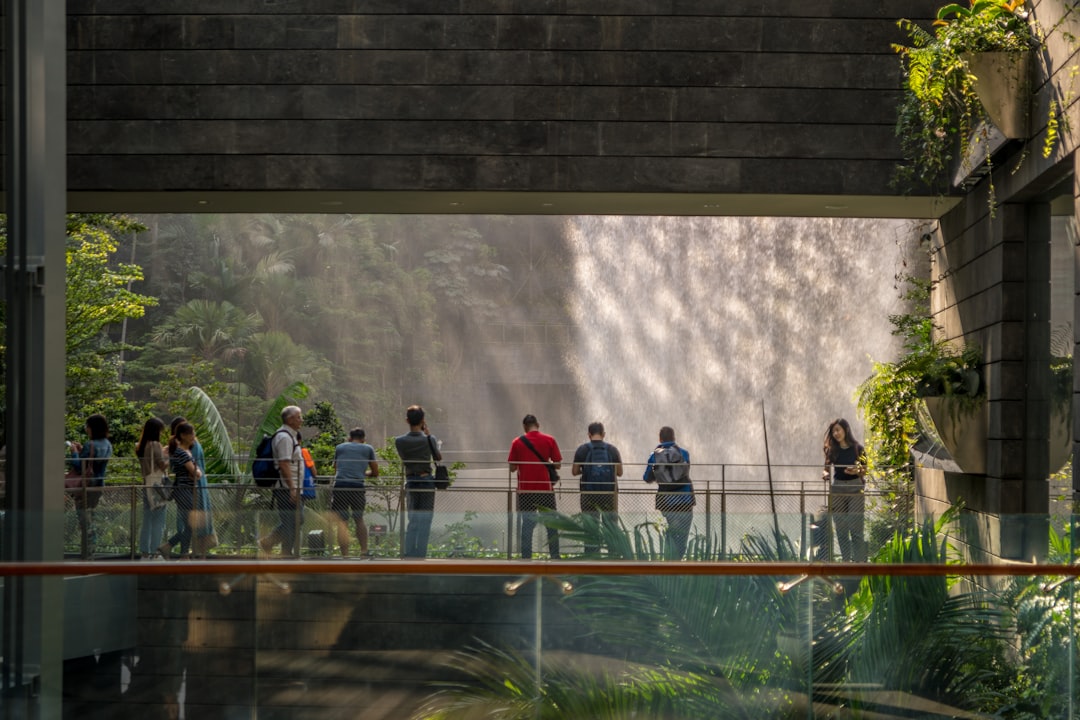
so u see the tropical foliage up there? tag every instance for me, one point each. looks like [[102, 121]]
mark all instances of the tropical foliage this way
[[890, 400], [100, 302], [940, 110], [747, 647]]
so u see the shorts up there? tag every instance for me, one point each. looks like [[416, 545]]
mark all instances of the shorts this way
[[348, 499]]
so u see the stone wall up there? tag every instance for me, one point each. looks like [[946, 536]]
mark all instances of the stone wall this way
[[611, 96], [994, 272]]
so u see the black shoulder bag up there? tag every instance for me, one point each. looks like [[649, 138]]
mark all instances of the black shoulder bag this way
[[442, 473], [553, 472]]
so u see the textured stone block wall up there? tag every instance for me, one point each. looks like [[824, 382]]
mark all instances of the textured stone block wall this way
[[787, 96]]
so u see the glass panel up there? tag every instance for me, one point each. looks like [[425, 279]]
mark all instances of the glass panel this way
[[1062, 302], [757, 639]]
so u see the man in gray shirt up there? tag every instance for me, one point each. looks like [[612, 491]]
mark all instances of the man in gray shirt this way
[[353, 460], [286, 495], [417, 448]]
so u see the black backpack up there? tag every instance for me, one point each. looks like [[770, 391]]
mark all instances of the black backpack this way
[[670, 469], [598, 477], [264, 470]]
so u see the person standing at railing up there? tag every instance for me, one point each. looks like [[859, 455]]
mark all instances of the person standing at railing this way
[[599, 464], [846, 459], [286, 494], [185, 475], [354, 461], [92, 461], [669, 468], [417, 449], [152, 464], [203, 537], [536, 458]]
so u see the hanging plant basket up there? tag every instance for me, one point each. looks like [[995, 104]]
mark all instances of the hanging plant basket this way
[[1003, 84], [962, 427]]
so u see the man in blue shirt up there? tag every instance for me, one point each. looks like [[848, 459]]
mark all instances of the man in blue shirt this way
[[353, 461], [669, 468]]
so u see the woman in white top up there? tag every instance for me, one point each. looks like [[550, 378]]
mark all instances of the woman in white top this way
[[153, 464]]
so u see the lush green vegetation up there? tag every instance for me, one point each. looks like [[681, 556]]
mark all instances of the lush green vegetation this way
[[940, 110], [748, 647], [364, 311]]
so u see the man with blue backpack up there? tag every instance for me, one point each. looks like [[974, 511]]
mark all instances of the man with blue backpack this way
[[599, 464]]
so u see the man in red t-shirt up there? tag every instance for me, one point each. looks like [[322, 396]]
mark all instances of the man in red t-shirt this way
[[533, 455]]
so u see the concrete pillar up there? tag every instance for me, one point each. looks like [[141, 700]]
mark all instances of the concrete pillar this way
[[34, 286]]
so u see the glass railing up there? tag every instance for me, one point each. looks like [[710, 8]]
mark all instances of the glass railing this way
[[482, 516], [764, 638]]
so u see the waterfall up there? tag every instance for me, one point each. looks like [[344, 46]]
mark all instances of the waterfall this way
[[693, 322]]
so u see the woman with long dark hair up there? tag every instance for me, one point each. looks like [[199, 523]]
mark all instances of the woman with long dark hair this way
[[846, 459], [91, 460], [153, 464], [185, 475]]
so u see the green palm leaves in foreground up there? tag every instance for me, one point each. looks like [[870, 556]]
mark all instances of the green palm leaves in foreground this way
[[736, 647], [213, 436]]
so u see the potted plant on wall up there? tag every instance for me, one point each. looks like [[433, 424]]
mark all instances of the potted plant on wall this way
[[941, 377], [970, 72]]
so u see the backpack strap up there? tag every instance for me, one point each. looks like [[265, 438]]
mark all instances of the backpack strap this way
[[294, 446]]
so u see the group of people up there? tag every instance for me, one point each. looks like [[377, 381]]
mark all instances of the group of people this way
[[536, 459], [181, 459], [534, 456], [184, 461]]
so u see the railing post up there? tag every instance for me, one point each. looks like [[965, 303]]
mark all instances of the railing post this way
[[723, 511], [509, 515], [401, 517], [708, 515], [134, 519]]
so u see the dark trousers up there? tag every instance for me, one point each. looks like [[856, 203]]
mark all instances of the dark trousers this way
[[420, 501], [289, 515], [184, 495], [848, 515], [531, 506], [601, 507]]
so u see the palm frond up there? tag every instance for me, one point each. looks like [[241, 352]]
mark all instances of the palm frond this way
[[213, 435], [272, 420], [502, 685]]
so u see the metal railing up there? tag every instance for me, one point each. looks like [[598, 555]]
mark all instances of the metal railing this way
[[476, 518]]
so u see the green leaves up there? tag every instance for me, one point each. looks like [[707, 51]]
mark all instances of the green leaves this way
[[940, 109]]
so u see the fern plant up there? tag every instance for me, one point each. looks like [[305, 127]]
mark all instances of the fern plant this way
[[940, 110]]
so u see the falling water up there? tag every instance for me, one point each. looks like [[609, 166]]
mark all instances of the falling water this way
[[694, 322]]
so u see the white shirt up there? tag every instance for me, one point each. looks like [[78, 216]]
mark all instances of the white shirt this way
[[287, 450]]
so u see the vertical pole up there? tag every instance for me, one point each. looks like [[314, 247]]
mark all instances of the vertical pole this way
[[723, 511], [35, 182], [510, 517]]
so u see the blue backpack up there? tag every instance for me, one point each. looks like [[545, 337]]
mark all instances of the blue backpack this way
[[264, 469], [598, 477]]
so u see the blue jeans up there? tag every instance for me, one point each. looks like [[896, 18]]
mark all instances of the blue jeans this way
[[679, 520], [420, 501], [153, 527]]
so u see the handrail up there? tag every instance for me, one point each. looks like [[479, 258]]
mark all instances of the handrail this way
[[544, 568]]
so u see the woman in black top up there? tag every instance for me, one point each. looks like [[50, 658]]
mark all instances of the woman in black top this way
[[846, 457], [185, 474]]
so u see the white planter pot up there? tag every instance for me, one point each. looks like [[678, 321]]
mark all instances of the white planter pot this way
[[962, 433], [1003, 83]]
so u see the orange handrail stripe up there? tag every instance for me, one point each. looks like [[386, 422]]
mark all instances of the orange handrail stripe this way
[[512, 567]]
